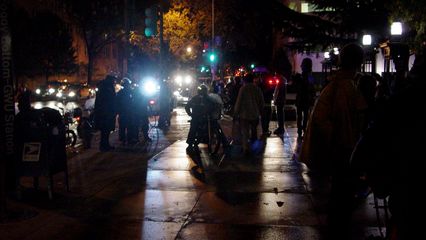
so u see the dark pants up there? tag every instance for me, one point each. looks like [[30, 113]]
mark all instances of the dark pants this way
[[124, 128], [302, 119], [194, 131], [104, 142], [280, 116], [341, 201], [266, 118]]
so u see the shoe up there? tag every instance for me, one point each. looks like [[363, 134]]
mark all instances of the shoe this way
[[190, 150]]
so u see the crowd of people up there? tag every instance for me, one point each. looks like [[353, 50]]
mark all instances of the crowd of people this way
[[130, 107], [350, 132]]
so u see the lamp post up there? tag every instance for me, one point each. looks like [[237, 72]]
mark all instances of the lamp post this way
[[397, 51], [370, 53], [212, 62]]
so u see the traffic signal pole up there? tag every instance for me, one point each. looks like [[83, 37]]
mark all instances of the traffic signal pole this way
[[213, 63], [161, 43]]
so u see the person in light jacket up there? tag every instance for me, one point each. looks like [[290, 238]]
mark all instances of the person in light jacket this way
[[248, 109]]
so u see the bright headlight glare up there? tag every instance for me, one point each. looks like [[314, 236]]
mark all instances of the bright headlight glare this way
[[59, 94], [38, 91], [71, 94], [176, 93], [188, 79], [51, 90], [178, 79], [149, 87]]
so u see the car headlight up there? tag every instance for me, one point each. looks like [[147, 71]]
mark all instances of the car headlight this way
[[51, 90], [38, 91], [59, 95], [178, 80], [71, 94], [188, 79]]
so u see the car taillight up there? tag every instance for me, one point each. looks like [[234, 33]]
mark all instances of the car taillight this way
[[277, 81], [270, 82]]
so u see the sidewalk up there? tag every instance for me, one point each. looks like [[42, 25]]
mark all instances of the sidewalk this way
[[149, 191]]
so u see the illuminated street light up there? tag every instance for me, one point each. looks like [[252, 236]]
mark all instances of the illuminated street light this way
[[188, 49], [396, 28], [366, 40]]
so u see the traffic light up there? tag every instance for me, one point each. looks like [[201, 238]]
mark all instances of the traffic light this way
[[151, 18], [212, 57], [252, 66]]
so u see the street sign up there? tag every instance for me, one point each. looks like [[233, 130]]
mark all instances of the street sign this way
[[31, 152]]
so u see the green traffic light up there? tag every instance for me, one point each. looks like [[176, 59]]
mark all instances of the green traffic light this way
[[149, 32], [252, 66], [212, 57]]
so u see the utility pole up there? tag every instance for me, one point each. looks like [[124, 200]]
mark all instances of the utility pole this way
[[160, 7], [213, 64]]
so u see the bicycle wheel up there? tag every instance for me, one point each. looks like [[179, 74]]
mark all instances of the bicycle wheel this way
[[214, 141], [70, 138]]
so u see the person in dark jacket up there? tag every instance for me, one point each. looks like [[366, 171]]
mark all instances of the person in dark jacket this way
[[305, 95], [125, 112], [198, 107], [105, 112]]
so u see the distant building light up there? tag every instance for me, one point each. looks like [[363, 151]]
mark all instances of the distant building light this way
[[304, 7], [326, 55], [366, 40], [396, 28]]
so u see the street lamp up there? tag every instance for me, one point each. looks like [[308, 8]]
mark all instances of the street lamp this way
[[188, 49], [370, 54], [212, 56], [396, 29], [366, 40]]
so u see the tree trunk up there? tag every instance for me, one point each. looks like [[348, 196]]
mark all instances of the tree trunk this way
[[89, 68], [46, 74]]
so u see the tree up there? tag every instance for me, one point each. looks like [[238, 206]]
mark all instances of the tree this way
[[100, 23], [43, 45], [181, 31], [410, 14]]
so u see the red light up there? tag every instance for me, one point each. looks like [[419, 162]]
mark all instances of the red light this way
[[152, 102], [270, 82], [277, 81], [77, 118]]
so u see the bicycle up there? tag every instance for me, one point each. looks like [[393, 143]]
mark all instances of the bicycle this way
[[211, 134], [70, 136]]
